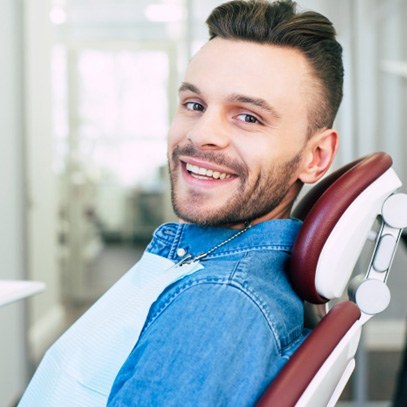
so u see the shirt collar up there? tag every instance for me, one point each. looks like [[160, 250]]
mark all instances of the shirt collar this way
[[194, 239]]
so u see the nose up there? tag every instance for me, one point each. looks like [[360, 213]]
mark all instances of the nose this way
[[210, 131]]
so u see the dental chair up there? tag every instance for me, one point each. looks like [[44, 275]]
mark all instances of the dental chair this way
[[338, 215]]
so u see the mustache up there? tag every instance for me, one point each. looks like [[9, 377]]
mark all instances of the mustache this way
[[211, 156]]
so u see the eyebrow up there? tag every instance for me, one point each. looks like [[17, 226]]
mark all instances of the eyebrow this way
[[235, 97], [258, 102], [186, 86]]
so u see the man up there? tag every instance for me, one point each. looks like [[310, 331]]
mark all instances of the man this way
[[254, 123]]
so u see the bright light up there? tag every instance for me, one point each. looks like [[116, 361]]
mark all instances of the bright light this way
[[57, 15], [163, 12]]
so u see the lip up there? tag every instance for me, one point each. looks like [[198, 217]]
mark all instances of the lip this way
[[205, 183], [208, 165]]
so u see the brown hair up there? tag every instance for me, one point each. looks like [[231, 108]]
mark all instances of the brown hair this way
[[278, 23]]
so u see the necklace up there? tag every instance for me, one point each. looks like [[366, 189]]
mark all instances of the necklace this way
[[188, 259]]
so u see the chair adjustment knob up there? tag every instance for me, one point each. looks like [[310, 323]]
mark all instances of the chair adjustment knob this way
[[372, 296], [394, 210]]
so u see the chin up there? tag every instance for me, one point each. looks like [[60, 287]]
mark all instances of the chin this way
[[194, 216], [203, 216]]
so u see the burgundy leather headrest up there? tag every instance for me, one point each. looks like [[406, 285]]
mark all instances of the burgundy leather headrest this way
[[321, 209]]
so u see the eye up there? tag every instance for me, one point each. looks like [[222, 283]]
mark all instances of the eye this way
[[195, 106], [248, 118]]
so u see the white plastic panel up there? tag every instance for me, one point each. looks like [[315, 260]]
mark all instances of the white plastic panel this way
[[342, 383], [343, 246], [335, 372]]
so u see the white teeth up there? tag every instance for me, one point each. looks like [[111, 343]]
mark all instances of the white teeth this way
[[208, 173]]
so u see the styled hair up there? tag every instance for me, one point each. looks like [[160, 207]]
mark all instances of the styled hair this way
[[278, 23]]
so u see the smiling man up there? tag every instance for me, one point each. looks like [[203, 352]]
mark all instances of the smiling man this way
[[239, 144], [208, 316], [254, 123]]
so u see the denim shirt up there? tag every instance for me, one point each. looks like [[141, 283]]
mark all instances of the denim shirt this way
[[219, 336]]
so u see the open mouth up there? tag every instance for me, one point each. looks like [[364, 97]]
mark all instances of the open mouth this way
[[205, 173]]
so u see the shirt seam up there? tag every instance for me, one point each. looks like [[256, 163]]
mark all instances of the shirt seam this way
[[287, 248], [177, 238], [241, 266], [218, 281]]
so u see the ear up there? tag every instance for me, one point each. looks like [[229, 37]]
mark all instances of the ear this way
[[318, 155]]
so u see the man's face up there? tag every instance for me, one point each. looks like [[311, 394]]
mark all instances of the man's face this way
[[235, 147]]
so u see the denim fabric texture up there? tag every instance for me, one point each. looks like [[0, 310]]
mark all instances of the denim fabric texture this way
[[219, 336]]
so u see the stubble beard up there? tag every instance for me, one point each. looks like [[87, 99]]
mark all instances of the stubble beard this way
[[251, 200]]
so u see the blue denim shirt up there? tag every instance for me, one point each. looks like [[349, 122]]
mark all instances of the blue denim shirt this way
[[219, 336]]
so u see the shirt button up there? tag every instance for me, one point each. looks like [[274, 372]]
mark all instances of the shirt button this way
[[181, 252]]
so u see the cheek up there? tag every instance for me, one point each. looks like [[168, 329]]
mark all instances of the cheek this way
[[177, 132], [263, 159], [257, 155], [173, 137], [271, 150]]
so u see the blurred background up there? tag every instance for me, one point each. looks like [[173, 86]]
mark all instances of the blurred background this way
[[87, 91]]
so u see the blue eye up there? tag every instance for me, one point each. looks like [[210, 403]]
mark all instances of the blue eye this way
[[194, 106], [248, 118]]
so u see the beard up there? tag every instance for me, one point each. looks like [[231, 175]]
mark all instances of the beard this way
[[252, 199]]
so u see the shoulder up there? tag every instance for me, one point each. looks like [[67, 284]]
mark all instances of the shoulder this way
[[252, 289], [199, 297], [212, 338], [263, 273]]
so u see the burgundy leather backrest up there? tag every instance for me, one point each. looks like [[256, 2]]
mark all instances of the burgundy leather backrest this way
[[321, 209], [291, 382]]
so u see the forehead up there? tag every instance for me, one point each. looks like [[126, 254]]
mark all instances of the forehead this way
[[279, 75]]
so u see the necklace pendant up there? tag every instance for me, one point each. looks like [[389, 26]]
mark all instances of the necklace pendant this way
[[187, 259]]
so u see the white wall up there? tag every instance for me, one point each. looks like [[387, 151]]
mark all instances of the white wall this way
[[45, 312], [12, 236], [27, 193]]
